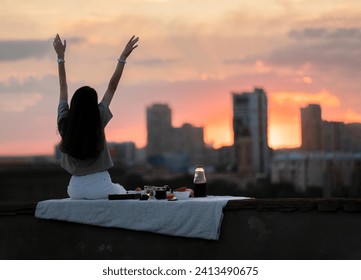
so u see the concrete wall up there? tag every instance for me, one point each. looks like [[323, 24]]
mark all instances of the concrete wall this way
[[252, 229]]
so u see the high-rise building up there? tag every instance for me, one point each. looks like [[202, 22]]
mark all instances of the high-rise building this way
[[250, 124], [334, 137], [174, 147], [311, 126], [328, 136], [189, 140], [354, 135], [159, 129], [124, 152]]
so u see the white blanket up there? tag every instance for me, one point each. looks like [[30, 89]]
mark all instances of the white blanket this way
[[194, 217]]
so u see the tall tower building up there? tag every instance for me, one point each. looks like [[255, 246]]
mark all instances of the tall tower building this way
[[250, 124], [311, 127], [334, 137], [159, 130], [175, 148], [189, 141]]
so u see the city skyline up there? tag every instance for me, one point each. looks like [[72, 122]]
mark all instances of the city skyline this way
[[191, 55]]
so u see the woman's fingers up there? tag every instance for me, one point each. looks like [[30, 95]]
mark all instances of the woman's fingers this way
[[130, 40], [133, 40]]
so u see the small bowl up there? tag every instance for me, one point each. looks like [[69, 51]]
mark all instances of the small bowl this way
[[182, 195]]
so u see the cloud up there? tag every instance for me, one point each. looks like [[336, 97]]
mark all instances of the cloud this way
[[319, 33], [307, 33], [155, 62], [325, 49], [22, 49], [241, 60], [301, 99], [352, 116], [20, 102], [322, 49], [30, 84], [18, 95]]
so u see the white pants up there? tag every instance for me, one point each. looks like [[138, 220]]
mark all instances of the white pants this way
[[93, 186]]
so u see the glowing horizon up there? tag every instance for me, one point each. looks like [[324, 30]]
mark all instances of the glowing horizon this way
[[217, 134]]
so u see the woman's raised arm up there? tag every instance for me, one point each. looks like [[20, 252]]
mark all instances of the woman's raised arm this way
[[114, 80], [59, 48]]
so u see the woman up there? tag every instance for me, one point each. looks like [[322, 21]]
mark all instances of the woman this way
[[85, 153]]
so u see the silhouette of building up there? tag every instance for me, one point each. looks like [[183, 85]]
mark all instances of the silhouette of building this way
[[335, 174], [311, 128], [124, 153], [354, 133], [335, 137], [329, 158], [224, 158], [159, 130], [175, 148], [189, 140], [250, 128], [328, 136]]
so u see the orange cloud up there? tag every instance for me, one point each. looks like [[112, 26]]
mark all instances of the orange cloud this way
[[351, 116], [324, 98], [260, 67], [307, 80]]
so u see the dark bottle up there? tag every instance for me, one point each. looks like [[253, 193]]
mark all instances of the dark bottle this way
[[200, 182]]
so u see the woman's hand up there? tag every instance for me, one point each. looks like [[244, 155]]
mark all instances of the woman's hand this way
[[114, 80], [59, 47], [130, 46]]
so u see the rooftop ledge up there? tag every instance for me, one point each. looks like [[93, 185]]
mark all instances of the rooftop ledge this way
[[292, 228]]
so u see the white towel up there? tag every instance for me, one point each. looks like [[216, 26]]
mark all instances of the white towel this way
[[194, 217]]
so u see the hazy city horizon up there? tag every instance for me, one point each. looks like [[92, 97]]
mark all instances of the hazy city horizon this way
[[50, 154]]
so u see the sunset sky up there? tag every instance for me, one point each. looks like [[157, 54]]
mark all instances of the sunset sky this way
[[192, 55]]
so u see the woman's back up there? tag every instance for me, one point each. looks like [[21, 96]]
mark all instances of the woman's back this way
[[83, 166], [80, 127]]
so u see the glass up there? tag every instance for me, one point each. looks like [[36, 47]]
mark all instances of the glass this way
[[149, 191], [161, 192]]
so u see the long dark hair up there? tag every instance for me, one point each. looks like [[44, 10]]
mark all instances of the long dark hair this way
[[82, 134]]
